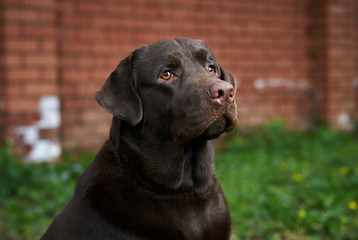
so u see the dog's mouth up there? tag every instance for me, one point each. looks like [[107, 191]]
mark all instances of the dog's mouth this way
[[208, 127], [223, 123], [219, 124]]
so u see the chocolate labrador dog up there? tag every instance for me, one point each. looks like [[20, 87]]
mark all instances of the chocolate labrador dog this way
[[154, 177]]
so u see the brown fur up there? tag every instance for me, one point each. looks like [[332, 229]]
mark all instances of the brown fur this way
[[154, 177]]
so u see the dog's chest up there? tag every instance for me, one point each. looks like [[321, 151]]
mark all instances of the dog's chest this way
[[193, 224], [196, 220]]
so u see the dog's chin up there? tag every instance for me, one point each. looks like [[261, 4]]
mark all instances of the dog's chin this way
[[220, 125], [210, 129]]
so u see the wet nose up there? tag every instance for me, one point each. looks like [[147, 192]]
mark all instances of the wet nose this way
[[221, 93]]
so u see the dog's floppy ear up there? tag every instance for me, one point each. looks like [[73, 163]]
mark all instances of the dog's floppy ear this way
[[119, 96], [225, 75]]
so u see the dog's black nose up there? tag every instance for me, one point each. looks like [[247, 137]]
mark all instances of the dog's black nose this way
[[221, 93]]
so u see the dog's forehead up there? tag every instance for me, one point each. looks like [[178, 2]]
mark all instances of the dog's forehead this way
[[179, 47]]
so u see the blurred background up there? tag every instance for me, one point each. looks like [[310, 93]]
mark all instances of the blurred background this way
[[294, 60]]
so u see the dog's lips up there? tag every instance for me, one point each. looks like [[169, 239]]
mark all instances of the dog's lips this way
[[217, 120], [221, 120], [220, 125], [211, 129]]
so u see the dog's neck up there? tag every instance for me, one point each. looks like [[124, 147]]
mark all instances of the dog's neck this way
[[164, 163]]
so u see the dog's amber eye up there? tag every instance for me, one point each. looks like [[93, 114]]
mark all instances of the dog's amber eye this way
[[166, 75], [212, 69]]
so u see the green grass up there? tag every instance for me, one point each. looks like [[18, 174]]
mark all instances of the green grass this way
[[32, 194], [279, 185], [291, 185]]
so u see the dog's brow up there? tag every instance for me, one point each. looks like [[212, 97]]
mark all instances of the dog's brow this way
[[173, 60], [201, 54]]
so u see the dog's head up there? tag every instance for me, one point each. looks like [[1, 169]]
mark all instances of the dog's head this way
[[173, 87]]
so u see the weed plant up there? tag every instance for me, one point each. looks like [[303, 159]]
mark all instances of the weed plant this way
[[291, 185]]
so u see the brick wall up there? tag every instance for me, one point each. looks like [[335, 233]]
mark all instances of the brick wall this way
[[340, 91], [356, 61], [295, 60], [29, 74]]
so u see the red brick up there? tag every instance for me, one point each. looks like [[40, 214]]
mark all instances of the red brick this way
[[40, 89], [50, 75], [21, 105], [14, 90], [48, 45], [21, 15], [12, 30], [43, 4], [43, 60], [12, 60], [48, 133], [23, 45], [49, 17], [14, 119], [43, 31], [22, 75]]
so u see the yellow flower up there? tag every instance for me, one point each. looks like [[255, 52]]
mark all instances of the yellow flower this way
[[344, 170], [302, 213], [297, 177], [352, 205]]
